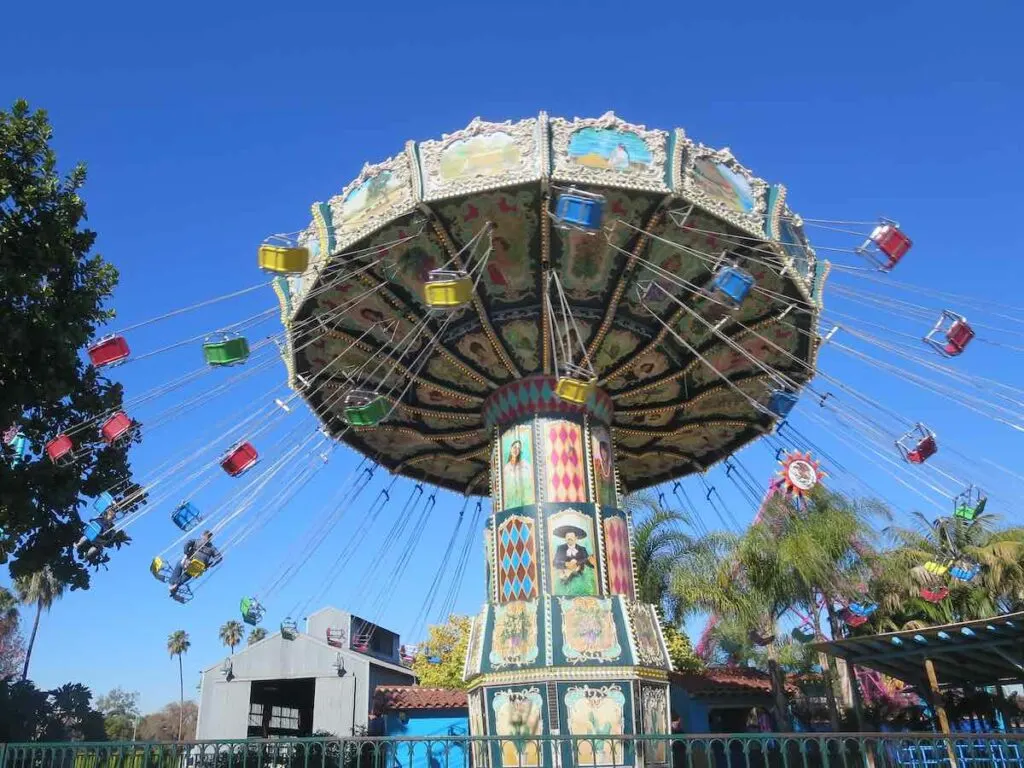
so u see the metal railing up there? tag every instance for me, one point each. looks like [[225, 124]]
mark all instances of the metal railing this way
[[778, 750]]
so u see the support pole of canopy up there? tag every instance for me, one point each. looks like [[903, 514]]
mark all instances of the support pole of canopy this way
[[940, 710]]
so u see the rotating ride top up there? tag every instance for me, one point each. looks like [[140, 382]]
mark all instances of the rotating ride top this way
[[555, 312]]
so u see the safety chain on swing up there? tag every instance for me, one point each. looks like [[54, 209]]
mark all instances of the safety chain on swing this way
[[577, 379]]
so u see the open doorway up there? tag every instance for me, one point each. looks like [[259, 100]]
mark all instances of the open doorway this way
[[281, 708]]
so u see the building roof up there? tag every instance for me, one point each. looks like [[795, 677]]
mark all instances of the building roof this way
[[724, 680], [976, 653], [390, 698]]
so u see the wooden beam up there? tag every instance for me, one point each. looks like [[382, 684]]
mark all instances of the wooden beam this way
[[940, 710]]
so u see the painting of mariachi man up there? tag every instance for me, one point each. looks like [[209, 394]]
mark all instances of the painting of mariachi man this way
[[517, 488], [573, 564], [604, 473]]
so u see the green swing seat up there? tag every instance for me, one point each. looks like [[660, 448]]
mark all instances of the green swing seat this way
[[365, 410], [967, 511], [226, 351]]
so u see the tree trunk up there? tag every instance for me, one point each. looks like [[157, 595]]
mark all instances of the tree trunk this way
[[181, 697], [829, 679], [32, 640], [778, 681]]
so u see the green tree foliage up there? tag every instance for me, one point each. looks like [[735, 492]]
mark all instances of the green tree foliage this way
[[231, 634], [41, 590], [680, 650], [63, 714], [900, 575], [12, 645], [120, 710], [440, 659], [178, 644], [164, 724], [257, 634], [53, 291]]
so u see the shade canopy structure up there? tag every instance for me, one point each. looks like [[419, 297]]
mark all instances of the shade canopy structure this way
[[684, 380], [971, 653]]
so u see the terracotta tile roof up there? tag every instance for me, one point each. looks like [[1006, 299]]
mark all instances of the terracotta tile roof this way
[[725, 680], [390, 698]]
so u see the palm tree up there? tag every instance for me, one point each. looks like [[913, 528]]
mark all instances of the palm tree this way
[[257, 634], [231, 634], [41, 589], [177, 644], [658, 543], [999, 588]]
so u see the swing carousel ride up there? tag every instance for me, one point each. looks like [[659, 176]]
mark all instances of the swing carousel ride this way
[[552, 313]]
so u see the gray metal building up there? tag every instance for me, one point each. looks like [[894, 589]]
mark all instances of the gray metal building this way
[[320, 680]]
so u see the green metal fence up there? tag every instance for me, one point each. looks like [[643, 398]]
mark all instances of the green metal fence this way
[[874, 750]]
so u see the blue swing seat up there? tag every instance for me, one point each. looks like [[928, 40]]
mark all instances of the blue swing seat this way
[[579, 211], [733, 284], [781, 402], [93, 530], [186, 516], [102, 503], [863, 609]]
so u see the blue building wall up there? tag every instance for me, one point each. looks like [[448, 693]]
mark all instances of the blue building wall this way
[[424, 723], [693, 712]]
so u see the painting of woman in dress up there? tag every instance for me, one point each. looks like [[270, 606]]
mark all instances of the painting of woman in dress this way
[[517, 467], [601, 449]]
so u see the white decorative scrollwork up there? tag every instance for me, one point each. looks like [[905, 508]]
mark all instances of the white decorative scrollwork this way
[[641, 165], [380, 193], [737, 195]]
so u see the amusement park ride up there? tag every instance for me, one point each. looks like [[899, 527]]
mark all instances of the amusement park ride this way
[[550, 313]]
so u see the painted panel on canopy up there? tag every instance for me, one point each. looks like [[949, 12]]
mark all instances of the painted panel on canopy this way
[[362, 309], [355, 209], [477, 348], [764, 295], [455, 470], [394, 444], [431, 422], [719, 182], [659, 419], [364, 368], [522, 340], [687, 270], [618, 344], [586, 329], [726, 402], [509, 273], [731, 362], [572, 552], [795, 244], [484, 155], [464, 443], [610, 149], [666, 393], [441, 369], [430, 396], [705, 440], [648, 366], [588, 262], [407, 263], [651, 464]]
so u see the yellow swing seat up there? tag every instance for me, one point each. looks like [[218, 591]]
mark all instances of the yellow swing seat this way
[[447, 289], [937, 569], [575, 385], [282, 259]]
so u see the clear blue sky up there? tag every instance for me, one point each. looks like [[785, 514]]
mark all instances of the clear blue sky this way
[[208, 126]]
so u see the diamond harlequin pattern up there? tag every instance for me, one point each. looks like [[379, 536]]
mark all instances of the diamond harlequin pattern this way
[[517, 574], [536, 394], [566, 481], [616, 548]]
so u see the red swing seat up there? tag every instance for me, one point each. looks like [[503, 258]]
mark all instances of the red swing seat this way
[[109, 350], [116, 426], [886, 245], [240, 458], [60, 450]]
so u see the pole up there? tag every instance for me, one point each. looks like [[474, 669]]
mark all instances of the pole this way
[[940, 710]]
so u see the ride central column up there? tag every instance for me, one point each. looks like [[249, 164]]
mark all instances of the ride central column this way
[[562, 647]]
